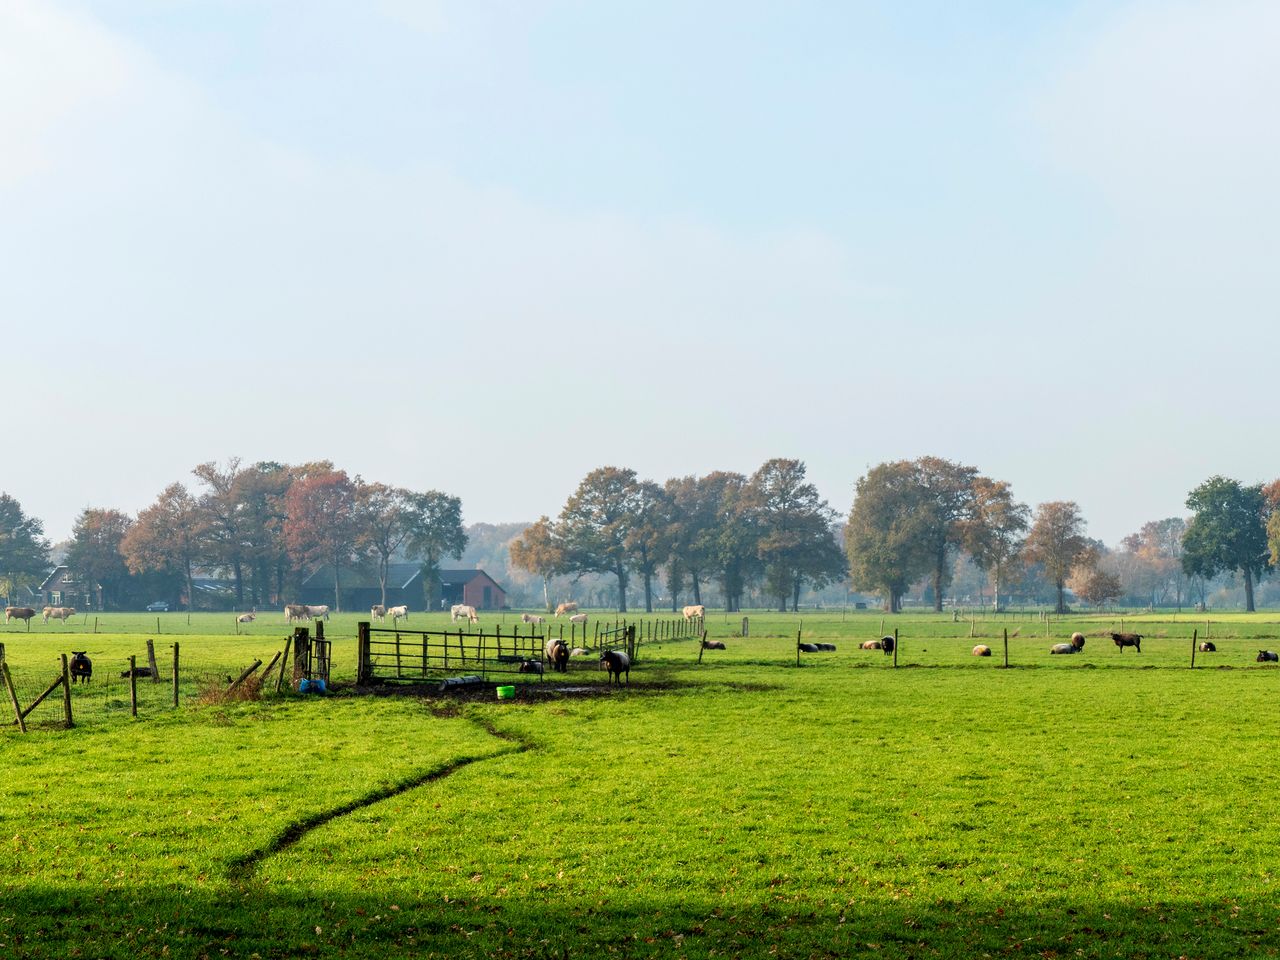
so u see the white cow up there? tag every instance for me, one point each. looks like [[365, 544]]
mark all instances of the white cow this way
[[294, 611], [377, 612], [578, 618], [568, 607], [59, 613], [320, 612], [697, 611], [247, 617], [395, 613], [461, 611]]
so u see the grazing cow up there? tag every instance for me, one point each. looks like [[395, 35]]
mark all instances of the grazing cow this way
[[870, 644], [318, 613], [378, 612], [1267, 656], [617, 663], [713, 645], [1123, 640], [19, 613], [982, 650], [569, 607], [697, 611], [294, 611], [80, 667], [247, 617], [531, 666], [531, 618], [398, 613], [557, 652], [1206, 646], [59, 613], [887, 644], [460, 611], [578, 618]]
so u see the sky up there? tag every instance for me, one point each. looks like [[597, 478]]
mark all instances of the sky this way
[[487, 247]]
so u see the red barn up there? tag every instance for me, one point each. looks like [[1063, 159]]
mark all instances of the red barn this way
[[475, 588]]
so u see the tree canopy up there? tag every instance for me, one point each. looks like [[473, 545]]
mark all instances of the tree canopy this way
[[1227, 532]]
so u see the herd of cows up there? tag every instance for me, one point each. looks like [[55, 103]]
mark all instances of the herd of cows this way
[[50, 613]]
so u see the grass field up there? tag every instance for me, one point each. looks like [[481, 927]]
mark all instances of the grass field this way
[[1099, 805]]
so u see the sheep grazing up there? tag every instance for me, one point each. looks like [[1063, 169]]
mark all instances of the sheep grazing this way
[[1268, 656], [617, 663], [557, 652], [870, 645], [1123, 640], [982, 650], [713, 645], [1075, 646], [136, 672], [80, 667], [1206, 646]]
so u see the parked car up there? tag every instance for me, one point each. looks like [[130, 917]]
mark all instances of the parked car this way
[[160, 606]]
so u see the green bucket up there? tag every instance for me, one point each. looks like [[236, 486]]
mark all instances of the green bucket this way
[[506, 693]]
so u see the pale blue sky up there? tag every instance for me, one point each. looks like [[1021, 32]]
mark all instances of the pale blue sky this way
[[460, 245]]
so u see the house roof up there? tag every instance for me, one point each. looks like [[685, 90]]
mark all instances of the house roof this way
[[53, 575], [456, 578]]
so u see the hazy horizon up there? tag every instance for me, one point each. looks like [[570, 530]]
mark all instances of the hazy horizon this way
[[485, 248]]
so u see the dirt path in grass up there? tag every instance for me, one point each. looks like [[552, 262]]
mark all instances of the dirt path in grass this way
[[243, 867]]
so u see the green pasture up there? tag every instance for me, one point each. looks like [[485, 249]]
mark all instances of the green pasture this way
[[1099, 805]]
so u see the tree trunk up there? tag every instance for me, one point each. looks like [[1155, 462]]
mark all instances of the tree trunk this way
[[1062, 598], [795, 595], [337, 588], [383, 563], [191, 593], [937, 580], [622, 588], [648, 591], [697, 590], [239, 575], [546, 596], [1248, 591]]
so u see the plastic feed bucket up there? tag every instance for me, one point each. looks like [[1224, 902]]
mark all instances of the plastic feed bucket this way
[[506, 693]]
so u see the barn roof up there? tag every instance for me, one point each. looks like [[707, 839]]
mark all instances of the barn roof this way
[[399, 576], [456, 578]]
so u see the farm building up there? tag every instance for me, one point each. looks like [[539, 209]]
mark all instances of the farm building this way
[[63, 587], [361, 590]]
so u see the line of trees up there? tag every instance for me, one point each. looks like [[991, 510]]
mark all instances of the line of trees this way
[[770, 528], [912, 519], [264, 526]]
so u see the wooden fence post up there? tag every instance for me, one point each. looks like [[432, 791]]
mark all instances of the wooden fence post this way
[[895, 648], [364, 665], [66, 692], [13, 696], [1006, 648], [1194, 643], [2, 650], [288, 641], [245, 675], [151, 660], [175, 673], [797, 648], [133, 685]]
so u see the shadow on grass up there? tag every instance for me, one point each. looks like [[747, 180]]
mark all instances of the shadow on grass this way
[[273, 921]]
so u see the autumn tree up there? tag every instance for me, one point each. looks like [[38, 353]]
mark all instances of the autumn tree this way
[[994, 533], [1157, 548], [948, 490], [383, 523], [435, 532], [258, 493], [320, 526], [95, 553], [886, 539], [223, 521], [596, 523], [1056, 542], [537, 550], [648, 538], [24, 551], [795, 542], [1227, 532], [1271, 493], [166, 536], [1090, 582]]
